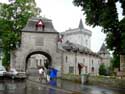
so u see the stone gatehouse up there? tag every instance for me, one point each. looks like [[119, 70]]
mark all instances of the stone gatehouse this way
[[37, 37], [69, 52]]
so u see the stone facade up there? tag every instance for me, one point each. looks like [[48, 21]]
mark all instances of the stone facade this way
[[72, 59], [38, 41], [66, 53], [76, 44], [105, 55], [78, 35]]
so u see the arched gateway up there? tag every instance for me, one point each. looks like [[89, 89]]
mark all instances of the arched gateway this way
[[38, 46]]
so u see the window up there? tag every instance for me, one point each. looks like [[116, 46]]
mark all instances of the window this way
[[71, 69], [92, 69], [92, 62], [66, 59], [40, 62], [36, 60], [86, 69]]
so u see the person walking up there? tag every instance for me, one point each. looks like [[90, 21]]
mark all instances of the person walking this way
[[41, 74], [48, 75]]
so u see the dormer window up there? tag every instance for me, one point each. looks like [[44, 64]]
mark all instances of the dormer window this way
[[40, 25]]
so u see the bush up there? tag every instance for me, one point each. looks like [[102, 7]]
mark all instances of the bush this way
[[102, 70]]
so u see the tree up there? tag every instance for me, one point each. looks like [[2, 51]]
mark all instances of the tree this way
[[13, 17], [102, 70], [116, 61], [104, 13]]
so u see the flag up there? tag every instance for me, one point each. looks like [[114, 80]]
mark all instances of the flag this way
[[60, 39]]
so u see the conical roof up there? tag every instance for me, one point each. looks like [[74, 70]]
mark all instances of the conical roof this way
[[103, 49], [81, 24]]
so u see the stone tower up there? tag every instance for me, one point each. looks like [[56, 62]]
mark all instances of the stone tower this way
[[105, 55]]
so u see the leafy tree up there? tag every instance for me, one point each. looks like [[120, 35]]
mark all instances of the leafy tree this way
[[115, 62], [104, 13], [13, 18], [102, 70]]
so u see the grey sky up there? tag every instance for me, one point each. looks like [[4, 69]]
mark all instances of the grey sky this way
[[65, 15]]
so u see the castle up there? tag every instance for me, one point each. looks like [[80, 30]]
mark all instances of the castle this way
[[68, 51]]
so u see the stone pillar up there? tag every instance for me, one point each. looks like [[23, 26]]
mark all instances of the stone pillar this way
[[122, 63], [12, 59], [122, 66]]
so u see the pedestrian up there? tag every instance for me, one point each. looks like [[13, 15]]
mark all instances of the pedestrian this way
[[48, 75], [52, 83], [53, 73], [82, 76], [41, 73]]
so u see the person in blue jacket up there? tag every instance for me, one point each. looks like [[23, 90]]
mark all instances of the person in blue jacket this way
[[53, 73]]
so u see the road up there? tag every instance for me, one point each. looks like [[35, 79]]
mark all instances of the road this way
[[34, 86]]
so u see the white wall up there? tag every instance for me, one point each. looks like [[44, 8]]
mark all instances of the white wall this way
[[74, 58], [80, 39]]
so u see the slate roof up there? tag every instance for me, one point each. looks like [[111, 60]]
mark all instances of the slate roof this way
[[31, 25], [103, 50], [81, 24], [68, 46]]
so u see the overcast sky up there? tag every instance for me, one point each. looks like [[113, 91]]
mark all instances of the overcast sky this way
[[65, 15]]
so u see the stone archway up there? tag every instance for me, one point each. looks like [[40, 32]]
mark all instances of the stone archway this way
[[47, 60], [37, 41]]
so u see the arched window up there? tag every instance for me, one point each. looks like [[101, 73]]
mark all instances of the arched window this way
[[92, 69], [92, 62]]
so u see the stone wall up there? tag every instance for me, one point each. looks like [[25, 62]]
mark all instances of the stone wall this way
[[71, 77], [108, 82], [111, 82], [73, 59]]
